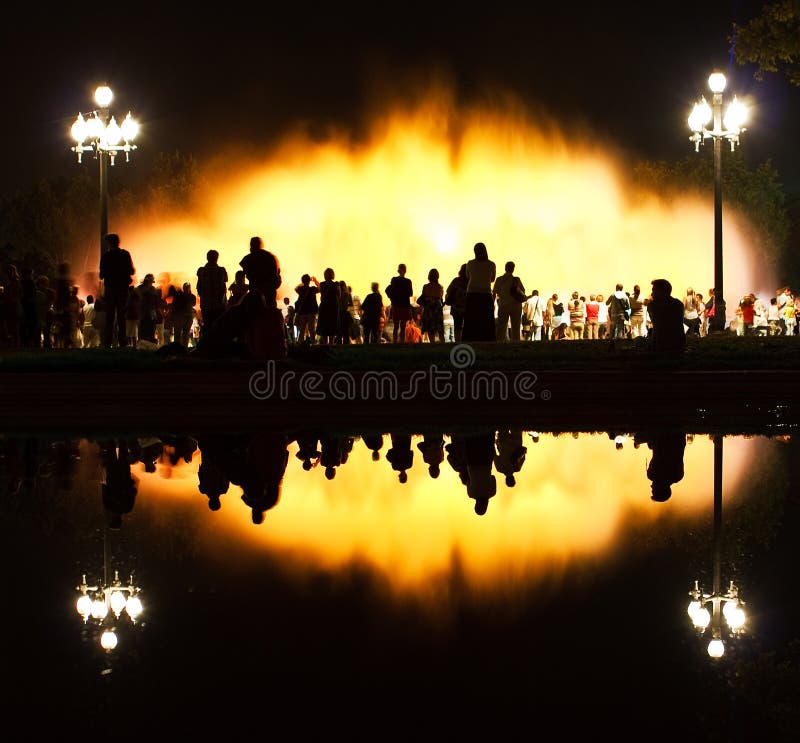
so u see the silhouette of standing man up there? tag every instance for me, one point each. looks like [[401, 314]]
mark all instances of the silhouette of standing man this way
[[262, 271], [212, 288], [116, 273], [400, 292]]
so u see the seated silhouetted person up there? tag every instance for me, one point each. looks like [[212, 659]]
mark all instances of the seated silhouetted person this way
[[251, 329], [666, 465], [265, 466], [666, 315]]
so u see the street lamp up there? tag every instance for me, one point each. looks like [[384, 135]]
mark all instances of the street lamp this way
[[725, 604], [107, 603], [726, 128], [99, 133]]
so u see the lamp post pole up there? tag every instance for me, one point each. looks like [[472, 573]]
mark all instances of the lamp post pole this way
[[100, 134], [103, 158], [718, 321], [728, 128]]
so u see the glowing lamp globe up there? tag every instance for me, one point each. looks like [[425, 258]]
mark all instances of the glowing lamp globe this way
[[129, 128], [84, 605], [99, 609], [716, 648], [717, 82], [701, 619], [736, 618], [78, 130], [108, 640], [693, 608], [134, 607], [113, 132], [94, 128], [117, 602], [103, 96], [736, 115]]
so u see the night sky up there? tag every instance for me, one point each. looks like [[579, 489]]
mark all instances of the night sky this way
[[244, 76]]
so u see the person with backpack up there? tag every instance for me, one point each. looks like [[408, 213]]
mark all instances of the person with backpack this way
[[619, 307]]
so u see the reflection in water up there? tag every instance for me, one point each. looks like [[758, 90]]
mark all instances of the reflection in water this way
[[119, 486], [557, 499], [666, 466], [727, 602], [369, 585]]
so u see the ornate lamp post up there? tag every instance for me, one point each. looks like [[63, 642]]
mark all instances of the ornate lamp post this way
[[725, 604], [728, 128], [99, 133]]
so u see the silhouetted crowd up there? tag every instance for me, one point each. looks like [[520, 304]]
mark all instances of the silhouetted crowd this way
[[243, 316]]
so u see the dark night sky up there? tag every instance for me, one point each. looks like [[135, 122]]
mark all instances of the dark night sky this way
[[244, 76]]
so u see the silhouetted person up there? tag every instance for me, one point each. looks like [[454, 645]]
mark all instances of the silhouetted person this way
[[400, 455], [212, 479], [182, 447], [400, 292], [371, 313], [150, 451], [119, 487], [432, 448], [666, 315], [307, 450], [212, 288], [265, 466], [331, 451], [457, 457], [262, 271], [479, 324], [480, 454], [252, 329], [666, 464], [510, 454], [116, 272], [149, 301], [373, 442]]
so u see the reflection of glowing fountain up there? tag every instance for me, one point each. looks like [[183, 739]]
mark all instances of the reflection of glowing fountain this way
[[727, 604], [106, 604]]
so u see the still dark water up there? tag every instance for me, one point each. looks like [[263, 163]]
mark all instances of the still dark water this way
[[472, 584]]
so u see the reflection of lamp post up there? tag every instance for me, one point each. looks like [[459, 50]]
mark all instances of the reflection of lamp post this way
[[100, 602], [727, 604], [99, 133], [735, 116], [107, 602]]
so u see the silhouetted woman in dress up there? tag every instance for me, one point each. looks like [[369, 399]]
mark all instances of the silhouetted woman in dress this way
[[479, 315]]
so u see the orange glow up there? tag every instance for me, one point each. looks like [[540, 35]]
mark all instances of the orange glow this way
[[419, 193], [575, 501]]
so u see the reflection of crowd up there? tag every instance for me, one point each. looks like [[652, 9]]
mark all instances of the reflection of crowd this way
[[256, 463]]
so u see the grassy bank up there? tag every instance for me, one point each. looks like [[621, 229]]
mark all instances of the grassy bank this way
[[720, 353]]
